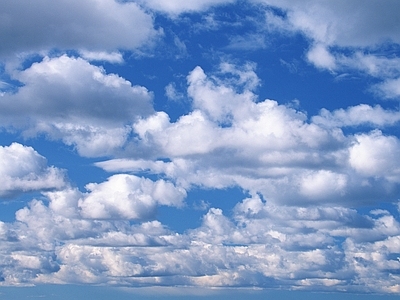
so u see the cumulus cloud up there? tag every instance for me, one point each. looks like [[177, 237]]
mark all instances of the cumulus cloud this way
[[376, 155], [91, 25], [301, 175], [230, 139], [22, 169], [128, 197], [88, 237], [260, 244], [70, 99]]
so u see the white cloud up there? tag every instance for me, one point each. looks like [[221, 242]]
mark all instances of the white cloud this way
[[175, 7], [172, 93], [361, 114], [114, 57], [219, 99], [342, 23], [293, 231], [128, 197], [334, 28], [321, 58], [322, 184], [67, 98], [374, 65], [22, 169], [70, 24], [390, 88], [260, 244], [376, 155], [229, 139]]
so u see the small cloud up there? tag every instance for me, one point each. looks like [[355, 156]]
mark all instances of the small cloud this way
[[202, 205], [388, 89], [182, 51], [320, 56], [113, 57], [172, 93], [291, 66], [250, 42]]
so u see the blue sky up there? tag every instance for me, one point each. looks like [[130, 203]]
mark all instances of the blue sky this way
[[204, 148]]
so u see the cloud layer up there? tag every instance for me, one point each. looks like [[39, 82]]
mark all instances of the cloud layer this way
[[319, 209], [92, 25]]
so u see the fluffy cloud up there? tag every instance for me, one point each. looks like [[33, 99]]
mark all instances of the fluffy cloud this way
[[295, 228], [92, 25], [376, 155], [86, 237], [261, 244], [22, 169], [128, 197], [230, 139], [70, 99]]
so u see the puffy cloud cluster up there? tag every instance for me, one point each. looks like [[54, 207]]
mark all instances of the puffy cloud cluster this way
[[261, 244], [68, 98], [295, 229], [232, 139], [22, 169], [128, 197]]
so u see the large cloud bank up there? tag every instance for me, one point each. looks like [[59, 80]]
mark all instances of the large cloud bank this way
[[303, 177]]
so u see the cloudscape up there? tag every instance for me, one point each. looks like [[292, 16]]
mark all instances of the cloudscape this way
[[204, 144]]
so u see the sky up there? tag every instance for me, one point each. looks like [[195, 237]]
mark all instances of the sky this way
[[208, 148]]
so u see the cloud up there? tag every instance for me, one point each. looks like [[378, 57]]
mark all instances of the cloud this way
[[114, 57], [343, 35], [376, 155], [176, 7], [302, 175], [336, 24], [90, 25], [321, 58], [388, 89], [232, 140], [361, 114], [258, 244], [68, 98], [172, 93], [249, 42], [128, 197], [22, 169]]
